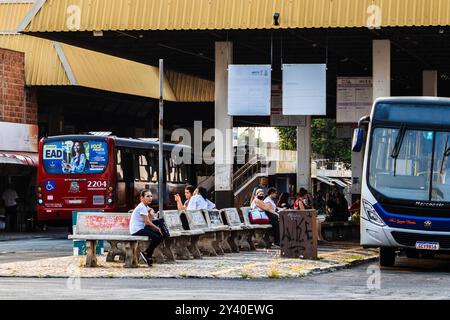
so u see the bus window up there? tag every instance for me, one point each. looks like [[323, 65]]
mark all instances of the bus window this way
[[407, 175], [127, 165], [144, 174], [119, 166], [75, 157], [175, 173]]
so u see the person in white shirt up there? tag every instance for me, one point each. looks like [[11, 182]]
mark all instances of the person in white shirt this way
[[261, 204], [270, 199], [141, 224], [273, 215], [9, 197], [199, 201], [188, 193]]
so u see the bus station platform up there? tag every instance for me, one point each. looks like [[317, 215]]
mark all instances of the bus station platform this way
[[259, 264]]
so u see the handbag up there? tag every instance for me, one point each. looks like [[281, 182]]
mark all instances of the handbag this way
[[162, 225], [258, 217]]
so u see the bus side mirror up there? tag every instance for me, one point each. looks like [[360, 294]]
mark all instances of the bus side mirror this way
[[357, 140]]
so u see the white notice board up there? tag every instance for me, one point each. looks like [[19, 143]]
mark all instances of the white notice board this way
[[249, 90], [354, 98], [304, 89]]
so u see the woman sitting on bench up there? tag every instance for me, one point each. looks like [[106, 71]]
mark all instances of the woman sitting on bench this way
[[142, 224]]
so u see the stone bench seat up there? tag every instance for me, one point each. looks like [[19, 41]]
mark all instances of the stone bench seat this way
[[186, 233], [107, 237], [341, 230], [261, 233], [209, 243], [111, 227]]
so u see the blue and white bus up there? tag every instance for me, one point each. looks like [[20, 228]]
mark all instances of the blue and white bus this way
[[405, 195]]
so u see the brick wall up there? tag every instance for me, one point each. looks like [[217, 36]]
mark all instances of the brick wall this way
[[17, 103]]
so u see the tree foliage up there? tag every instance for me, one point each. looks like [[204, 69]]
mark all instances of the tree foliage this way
[[287, 138], [324, 141]]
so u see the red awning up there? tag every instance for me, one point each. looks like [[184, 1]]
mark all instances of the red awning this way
[[19, 158]]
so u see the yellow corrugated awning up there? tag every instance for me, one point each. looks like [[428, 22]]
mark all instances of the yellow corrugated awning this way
[[42, 65], [101, 71], [49, 63], [190, 89], [54, 15], [12, 14]]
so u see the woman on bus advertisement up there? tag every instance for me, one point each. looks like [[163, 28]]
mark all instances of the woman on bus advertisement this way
[[77, 161]]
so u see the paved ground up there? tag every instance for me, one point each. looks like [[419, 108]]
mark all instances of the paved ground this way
[[16, 247], [412, 282], [419, 279], [31, 259]]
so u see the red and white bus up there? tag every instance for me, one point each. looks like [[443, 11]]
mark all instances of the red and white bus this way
[[102, 173]]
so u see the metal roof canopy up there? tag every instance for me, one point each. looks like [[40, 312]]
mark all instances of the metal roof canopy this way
[[347, 52], [52, 15], [53, 63]]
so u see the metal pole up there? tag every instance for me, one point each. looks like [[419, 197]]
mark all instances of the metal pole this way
[[161, 136]]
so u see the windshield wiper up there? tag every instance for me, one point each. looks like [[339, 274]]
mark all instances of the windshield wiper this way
[[398, 145], [445, 154]]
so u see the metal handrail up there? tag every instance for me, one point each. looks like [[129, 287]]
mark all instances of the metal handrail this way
[[247, 174], [245, 167]]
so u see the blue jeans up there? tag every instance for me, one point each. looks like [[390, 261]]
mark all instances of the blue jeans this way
[[155, 239]]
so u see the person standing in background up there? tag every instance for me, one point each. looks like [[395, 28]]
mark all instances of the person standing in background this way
[[9, 197]]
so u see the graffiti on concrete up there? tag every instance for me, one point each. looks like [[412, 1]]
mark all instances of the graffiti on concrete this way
[[298, 234]]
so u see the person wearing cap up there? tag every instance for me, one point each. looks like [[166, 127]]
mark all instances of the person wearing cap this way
[[259, 203], [263, 184]]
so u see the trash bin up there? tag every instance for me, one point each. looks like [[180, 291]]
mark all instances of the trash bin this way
[[298, 234]]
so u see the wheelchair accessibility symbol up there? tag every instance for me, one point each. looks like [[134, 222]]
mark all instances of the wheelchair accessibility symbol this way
[[50, 185]]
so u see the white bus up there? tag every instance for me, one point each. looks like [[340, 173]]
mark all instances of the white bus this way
[[405, 194]]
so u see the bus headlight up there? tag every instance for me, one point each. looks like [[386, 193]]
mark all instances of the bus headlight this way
[[372, 214], [40, 202], [109, 200]]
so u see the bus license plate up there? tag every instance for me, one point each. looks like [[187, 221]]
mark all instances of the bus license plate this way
[[422, 245]]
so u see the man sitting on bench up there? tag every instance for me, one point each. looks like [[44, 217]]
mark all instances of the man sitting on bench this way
[[141, 224]]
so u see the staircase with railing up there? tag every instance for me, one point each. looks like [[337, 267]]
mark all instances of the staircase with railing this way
[[247, 172], [245, 177]]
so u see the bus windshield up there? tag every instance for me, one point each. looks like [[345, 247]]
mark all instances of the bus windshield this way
[[75, 157], [410, 164]]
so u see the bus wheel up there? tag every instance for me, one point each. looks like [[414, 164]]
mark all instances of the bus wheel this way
[[411, 253], [387, 257]]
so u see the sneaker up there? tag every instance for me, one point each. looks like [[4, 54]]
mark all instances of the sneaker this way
[[275, 246], [148, 261]]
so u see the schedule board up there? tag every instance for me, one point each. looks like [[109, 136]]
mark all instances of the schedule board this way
[[249, 90], [354, 98]]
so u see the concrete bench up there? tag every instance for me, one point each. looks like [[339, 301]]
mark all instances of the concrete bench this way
[[111, 227], [183, 244], [341, 230], [209, 241], [262, 233], [223, 231], [240, 234]]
